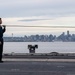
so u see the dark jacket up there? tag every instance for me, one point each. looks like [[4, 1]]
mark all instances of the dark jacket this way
[[2, 30]]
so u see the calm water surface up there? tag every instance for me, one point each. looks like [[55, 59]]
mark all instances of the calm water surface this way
[[43, 47]]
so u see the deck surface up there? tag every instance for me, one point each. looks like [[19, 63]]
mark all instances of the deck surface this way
[[37, 67]]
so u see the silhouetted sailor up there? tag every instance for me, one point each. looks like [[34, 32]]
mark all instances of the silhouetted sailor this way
[[2, 30]]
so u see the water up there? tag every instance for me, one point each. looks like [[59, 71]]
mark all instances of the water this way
[[43, 47]]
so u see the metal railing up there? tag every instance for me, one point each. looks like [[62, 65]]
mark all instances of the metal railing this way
[[39, 26]]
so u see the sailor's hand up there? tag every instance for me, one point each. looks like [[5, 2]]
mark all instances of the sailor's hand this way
[[0, 43], [4, 26]]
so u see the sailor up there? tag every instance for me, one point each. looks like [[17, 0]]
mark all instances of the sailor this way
[[2, 30]]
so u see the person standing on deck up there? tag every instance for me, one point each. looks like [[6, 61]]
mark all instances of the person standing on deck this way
[[2, 30]]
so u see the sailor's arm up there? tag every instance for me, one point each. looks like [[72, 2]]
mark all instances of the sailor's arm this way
[[4, 28]]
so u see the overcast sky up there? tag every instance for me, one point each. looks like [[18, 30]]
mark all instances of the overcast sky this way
[[38, 12]]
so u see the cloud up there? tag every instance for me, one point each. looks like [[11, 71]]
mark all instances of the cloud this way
[[37, 12], [29, 20], [23, 8]]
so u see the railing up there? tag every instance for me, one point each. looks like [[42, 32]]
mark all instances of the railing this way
[[40, 26]]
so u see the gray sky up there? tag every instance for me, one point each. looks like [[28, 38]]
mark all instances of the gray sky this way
[[38, 12], [25, 8]]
